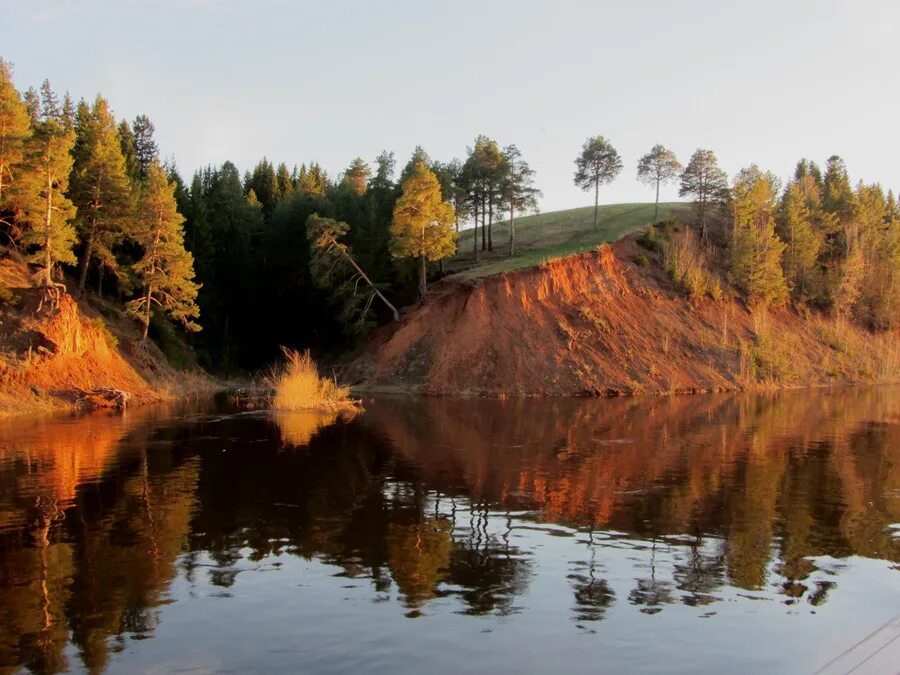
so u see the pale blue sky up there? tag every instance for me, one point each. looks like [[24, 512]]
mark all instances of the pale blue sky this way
[[766, 81]]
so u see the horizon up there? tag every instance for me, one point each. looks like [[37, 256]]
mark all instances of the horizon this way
[[212, 104]]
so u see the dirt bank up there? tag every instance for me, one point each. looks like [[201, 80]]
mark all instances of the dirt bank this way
[[607, 323], [56, 358]]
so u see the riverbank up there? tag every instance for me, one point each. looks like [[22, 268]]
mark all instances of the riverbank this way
[[82, 354], [605, 323]]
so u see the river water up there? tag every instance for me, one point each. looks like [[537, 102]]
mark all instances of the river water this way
[[739, 533]]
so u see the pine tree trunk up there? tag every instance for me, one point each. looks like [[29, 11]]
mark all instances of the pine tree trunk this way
[[422, 277], [149, 301], [100, 282], [490, 222], [512, 231], [596, 200], [48, 221], [85, 261], [702, 216], [366, 278], [475, 234], [656, 208], [483, 233]]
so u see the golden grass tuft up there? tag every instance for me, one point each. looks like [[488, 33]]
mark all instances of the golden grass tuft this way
[[298, 386]]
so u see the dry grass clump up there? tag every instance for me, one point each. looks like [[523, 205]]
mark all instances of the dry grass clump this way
[[685, 261], [298, 386]]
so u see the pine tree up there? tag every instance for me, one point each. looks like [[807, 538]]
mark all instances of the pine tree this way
[[517, 191], [32, 101], [284, 183], [126, 144], [381, 196], [165, 270], [800, 211], [15, 128], [332, 265], [100, 188], [264, 184], [756, 250], [838, 195], [480, 177], [418, 155], [657, 167], [703, 180], [145, 149], [40, 194], [449, 175], [312, 181], [871, 241], [598, 164], [357, 175], [422, 226]]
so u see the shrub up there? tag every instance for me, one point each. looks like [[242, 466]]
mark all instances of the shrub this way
[[649, 240], [298, 386], [686, 264]]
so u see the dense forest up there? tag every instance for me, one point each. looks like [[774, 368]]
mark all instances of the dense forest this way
[[293, 256]]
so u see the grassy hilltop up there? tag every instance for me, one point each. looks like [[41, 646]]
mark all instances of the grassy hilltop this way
[[548, 236]]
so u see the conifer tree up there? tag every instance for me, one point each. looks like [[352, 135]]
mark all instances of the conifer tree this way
[[15, 128], [806, 167], [657, 167], [871, 242], [598, 164], [800, 211], [418, 155], [100, 187], [756, 250], [381, 195], [145, 148], [357, 175], [703, 180], [264, 184], [449, 175], [284, 183], [165, 270], [480, 177], [32, 101], [126, 143], [838, 195], [312, 181], [41, 194], [422, 226], [332, 265], [517, 191]]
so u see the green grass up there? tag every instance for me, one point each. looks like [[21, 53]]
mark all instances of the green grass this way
[[553, 235]]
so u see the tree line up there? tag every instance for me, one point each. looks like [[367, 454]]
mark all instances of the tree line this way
[[817, 240], [295, 256], [83, 191], [78, 188]]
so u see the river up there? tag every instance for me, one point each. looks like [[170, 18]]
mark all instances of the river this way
[[739, 533]]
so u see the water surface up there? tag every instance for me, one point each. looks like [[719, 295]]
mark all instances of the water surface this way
[[744, 533]]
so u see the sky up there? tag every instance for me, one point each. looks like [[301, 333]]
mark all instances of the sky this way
[[764, 82]]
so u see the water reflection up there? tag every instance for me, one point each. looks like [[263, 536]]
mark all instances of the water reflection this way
[[468, 508]]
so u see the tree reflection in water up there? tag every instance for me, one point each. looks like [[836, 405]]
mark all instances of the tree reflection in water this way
[[441, 506]]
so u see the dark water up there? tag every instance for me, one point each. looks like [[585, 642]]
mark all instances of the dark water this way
[[730, 533]]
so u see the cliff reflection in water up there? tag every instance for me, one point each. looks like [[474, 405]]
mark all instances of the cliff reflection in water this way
[[441, 506]]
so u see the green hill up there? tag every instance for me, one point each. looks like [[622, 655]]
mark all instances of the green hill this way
[[556, 234]]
